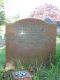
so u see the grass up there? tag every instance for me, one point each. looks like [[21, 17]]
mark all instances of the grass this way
[[2, 56], [58, 50], [41, 73]]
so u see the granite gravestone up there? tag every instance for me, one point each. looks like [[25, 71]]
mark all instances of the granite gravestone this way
[[30, 40]]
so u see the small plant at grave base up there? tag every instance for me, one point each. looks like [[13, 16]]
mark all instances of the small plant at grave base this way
[[18, 65]]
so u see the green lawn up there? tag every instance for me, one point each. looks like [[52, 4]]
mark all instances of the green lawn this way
[[2, 56], [42, 73], [58, 49]]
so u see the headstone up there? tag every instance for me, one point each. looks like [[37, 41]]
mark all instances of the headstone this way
[[30, 40]]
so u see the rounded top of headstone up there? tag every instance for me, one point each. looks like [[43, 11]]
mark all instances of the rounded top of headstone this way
[[31, 20]]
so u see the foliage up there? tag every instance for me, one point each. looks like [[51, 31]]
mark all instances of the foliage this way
[[1, 2], [46, 10], [2, 13], [2, 17]]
